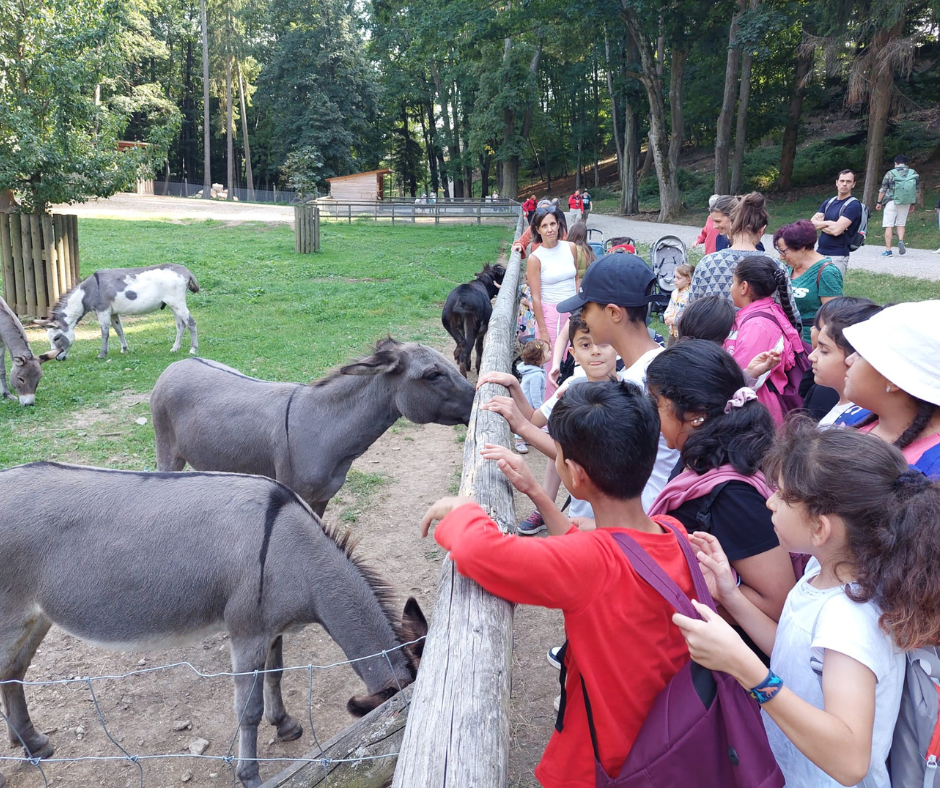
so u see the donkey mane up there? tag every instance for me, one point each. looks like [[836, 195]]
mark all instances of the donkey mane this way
[[382, 346], [346, 541], [58, 309]]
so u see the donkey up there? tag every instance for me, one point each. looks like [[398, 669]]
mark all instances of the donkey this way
[[136, 561], [306, 436], [467, 313], [113, 292], [26, 372]]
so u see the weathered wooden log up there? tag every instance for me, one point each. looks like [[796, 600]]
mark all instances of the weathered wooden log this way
[[18, 303], [458, 728], [26, 241], [35, 232], [6, 260], [63, 260], [376, 737], [72, 221], [306, 229]]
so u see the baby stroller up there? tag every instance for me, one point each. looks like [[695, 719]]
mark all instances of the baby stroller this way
[[665, 254], [596, 246], [621, 244]]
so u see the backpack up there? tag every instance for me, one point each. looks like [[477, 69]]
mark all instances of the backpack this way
[[703, 729], [789, 398], [916, 746], [857, 239], [905, 186]]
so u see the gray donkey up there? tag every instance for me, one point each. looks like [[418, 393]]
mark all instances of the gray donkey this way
[[26, 372], [110, 293], [305, 436], [141, 561]]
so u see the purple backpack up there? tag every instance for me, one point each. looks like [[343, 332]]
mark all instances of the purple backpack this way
[[790, 398], [703, 729]]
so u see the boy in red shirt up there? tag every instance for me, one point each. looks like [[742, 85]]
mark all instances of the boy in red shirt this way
[[621, 639]]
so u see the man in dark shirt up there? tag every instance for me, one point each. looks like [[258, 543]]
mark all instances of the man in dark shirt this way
[[837, 221]]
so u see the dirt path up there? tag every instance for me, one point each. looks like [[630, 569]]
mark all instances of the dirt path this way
[[417, 465]]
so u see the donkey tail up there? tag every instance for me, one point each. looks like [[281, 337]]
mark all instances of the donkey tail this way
[[192, 284]]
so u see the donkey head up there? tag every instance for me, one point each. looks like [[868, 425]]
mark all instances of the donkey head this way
[[427, 388], [61, 337], [25, 375], [491, 277], [414, 627]]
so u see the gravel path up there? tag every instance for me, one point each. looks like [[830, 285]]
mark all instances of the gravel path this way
[[920, 263]]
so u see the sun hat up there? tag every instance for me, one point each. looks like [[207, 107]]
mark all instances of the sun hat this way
[[616, 278], [902, 343]]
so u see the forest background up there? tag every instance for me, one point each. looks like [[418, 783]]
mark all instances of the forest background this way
[[467, 97]]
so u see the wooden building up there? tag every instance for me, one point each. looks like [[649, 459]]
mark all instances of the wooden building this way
[[361, 187]]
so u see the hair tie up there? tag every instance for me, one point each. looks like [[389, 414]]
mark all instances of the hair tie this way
[[742, 395], [911, 480]]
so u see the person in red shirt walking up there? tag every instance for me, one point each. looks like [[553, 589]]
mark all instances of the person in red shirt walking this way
[[528, 208], [606, 437], [575, 205]]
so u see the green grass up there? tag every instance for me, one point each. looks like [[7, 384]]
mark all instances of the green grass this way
[[262, 309]]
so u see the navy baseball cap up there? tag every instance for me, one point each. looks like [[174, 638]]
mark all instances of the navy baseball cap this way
[[617, 278]]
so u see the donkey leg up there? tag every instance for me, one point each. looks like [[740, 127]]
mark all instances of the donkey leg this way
[[180, 326], [119, 330], [104, 320], [248, 656], [479, 348], [193, 340], [288, 728], [20, 729], [4, 391]]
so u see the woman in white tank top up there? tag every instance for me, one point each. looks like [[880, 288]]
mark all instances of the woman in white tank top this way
[[551, 274]]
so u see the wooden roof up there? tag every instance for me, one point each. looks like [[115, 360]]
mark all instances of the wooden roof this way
[[357, 175]]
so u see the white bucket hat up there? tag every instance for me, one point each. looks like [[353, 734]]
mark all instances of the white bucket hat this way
[[902, 343]]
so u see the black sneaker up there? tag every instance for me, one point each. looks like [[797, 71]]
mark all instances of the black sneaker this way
[[553, 658], [532, 525], [902, 249]]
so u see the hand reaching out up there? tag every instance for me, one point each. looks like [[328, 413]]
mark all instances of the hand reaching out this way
[[712, 642], [715, 566], [507, 408], [440, 509], [512, 466], [762, 362], [499, 378]]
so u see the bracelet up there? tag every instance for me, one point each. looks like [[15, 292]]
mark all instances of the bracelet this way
[[767, 689]]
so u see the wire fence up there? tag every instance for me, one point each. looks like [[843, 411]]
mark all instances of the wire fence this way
[[229, 759]]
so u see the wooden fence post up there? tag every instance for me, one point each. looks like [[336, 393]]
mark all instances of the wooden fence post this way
[[18, 301], [6, 260], [306, 229], [458, 726]]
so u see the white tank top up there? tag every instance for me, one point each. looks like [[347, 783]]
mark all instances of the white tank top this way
[[558, 272]]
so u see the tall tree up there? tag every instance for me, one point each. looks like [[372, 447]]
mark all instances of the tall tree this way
[[206, 126]]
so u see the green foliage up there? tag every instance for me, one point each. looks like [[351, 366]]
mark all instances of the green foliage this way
[[58, 144], [275, 315]]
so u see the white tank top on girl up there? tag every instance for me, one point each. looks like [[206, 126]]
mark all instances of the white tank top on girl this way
[[558, 272]]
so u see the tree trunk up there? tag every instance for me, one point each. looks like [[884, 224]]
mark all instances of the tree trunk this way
[[432, 145], [509, 167], [630, 198], [879, 106], [229, 123], [206, 130], [248, 175], [647, 166], [723, 131], [443, 97], [740, 132], [804, 64], [597, 122]]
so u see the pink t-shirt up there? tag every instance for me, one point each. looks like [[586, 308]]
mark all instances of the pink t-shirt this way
[[915, 451]]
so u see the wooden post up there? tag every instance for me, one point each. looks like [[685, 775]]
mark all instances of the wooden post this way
[[6, 260], [63, 247], [18, 297], [73, 247], [437, 212], [377, 734], [306, 229], [29, 281], [43, 272], [316, 228], [393, 214], [458, 726], [35, 234]]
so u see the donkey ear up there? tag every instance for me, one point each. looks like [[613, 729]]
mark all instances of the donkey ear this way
[[360, 705], [379, 363], [19, 361], [414, 626]]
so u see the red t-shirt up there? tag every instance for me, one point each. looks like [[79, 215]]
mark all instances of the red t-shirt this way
[[620, 632], [528, 206], [574, 202]]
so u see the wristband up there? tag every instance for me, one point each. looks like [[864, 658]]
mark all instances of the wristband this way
[[767, 689]]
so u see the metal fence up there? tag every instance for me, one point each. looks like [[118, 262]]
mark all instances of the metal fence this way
[[449, 210]]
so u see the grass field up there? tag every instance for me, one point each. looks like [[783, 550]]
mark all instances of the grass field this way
[[261, 308]]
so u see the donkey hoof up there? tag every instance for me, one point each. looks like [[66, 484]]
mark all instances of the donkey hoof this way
[[289, 730], [102, 355], [40, 747]]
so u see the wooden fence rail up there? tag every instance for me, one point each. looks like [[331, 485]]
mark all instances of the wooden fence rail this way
[[306, 229], [458, 725], [39, 260]]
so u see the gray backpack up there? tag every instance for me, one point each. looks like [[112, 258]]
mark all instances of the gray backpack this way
[[916, 746]]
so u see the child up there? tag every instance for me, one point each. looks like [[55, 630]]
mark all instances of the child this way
[[526, 316], [678, 299], [831, 350], [710, 233], [534, 355], [584, 254], [895, 374], [761, 323], [605, 437], [832, 695], [595, 363], [722, 431], [710, 317]]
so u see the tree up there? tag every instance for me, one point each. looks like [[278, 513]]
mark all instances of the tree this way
[[58, 144], [206, 128]]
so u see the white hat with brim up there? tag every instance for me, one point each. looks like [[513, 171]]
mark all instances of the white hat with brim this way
[[902, 343]]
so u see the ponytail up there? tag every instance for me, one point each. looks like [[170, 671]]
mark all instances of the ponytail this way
[[925, 412], [766, 278], [749, 215], [891, 516]]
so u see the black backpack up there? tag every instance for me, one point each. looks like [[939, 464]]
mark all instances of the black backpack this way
[[857, 239]]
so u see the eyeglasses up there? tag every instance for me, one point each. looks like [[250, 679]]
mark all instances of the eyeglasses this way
[[782, 252]]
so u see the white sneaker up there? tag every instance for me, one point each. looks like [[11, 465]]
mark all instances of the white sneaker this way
[[521, 446], [557, 702], [902, 249], [937, 252]]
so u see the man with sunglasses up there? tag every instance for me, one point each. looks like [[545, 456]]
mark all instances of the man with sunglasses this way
[[837, 221]]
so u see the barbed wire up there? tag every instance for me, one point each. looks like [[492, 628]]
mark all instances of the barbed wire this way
[[229, 759]]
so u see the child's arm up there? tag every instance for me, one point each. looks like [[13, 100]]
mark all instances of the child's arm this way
[[515, 469], [524, 428], [515, 390], [558, 352], [838, 737]]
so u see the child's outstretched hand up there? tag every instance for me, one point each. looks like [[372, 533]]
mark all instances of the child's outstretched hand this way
[[440, 509], [711, 641], [499, 378], [506, 407], [512, 466], [762, 362], [715, 566]]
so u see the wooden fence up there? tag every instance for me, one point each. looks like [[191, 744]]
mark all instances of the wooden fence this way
[[458, 725], [447, 211], [39, 259], [306, 229]]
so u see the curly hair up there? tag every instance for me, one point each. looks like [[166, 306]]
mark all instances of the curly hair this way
[[766, 278]]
